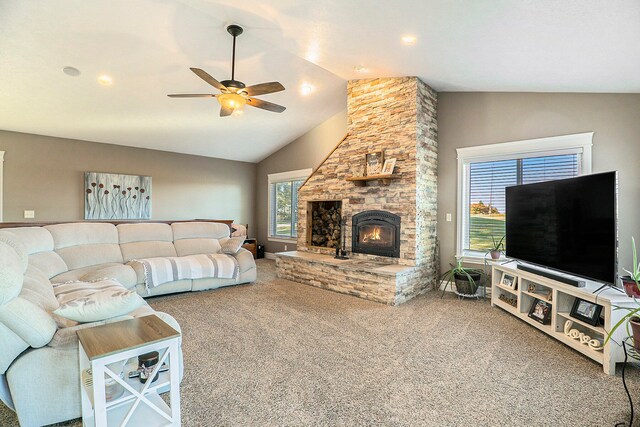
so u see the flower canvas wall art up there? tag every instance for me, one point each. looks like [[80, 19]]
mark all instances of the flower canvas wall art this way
[[115, 196]]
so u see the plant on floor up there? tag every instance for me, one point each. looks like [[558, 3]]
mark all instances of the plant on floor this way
[[632, 288], [497, 248], [631, 282], [466, 279]]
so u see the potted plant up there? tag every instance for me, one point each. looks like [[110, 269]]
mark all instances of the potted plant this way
[[630, 282], [497, 248], [466, 279], [631, 285]]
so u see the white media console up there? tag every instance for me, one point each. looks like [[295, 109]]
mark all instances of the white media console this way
[[561, 297]]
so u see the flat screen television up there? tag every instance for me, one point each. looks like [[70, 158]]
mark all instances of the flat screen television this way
[[568, 225]]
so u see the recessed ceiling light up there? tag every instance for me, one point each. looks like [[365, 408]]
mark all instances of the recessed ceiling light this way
[[361, 69], [409, 39], [306, 89], [71, 71], [105, 80]]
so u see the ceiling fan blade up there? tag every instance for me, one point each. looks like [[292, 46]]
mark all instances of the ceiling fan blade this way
[[207, 78], [191, 95], [265, 105], [264, 88], [224, 112]]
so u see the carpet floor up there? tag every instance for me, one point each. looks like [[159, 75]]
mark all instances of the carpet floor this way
[[277, 353]]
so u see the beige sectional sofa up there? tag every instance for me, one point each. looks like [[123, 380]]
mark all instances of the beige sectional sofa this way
[[39, 375]]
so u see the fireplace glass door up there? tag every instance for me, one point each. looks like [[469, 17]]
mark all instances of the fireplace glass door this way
[[376, 233]]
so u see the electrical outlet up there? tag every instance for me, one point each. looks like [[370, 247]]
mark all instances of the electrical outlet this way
[[448, 217], [285, 248], [29, 214]]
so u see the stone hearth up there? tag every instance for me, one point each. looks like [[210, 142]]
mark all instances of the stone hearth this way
[[386, 283], [398, 116]]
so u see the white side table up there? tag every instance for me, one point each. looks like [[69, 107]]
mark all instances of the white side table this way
[[140, 404]]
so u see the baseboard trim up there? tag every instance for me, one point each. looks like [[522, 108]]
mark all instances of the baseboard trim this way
[[269, 255]]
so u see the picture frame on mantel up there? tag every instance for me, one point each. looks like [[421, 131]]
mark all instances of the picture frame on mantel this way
[[389, 164], [373, 163]]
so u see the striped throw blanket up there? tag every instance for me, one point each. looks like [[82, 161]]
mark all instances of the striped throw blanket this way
[[169, 269]]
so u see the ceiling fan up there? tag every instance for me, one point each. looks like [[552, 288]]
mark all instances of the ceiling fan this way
[[235, 94]]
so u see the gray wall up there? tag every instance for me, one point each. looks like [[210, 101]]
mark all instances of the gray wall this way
[[47, 175], [468, 119], [304, 152]]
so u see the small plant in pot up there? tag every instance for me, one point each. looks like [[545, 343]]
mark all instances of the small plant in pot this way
[[497, 248], [466, 279], [631, 285], [630, 282], [632, 322]]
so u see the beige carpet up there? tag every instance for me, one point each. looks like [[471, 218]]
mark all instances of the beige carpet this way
[[277, 353]]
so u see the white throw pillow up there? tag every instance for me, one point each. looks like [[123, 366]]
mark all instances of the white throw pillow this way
[[95, 301], [232, 245]]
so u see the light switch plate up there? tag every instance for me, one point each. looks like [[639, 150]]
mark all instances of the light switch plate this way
[[448, 217], [29, 214]]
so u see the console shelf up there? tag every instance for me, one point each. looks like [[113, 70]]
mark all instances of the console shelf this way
[[562, 298]]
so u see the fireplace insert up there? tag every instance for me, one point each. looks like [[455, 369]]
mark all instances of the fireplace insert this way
[[376, 233]]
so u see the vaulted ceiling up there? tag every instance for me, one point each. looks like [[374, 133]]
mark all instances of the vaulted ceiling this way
[[147, 47]]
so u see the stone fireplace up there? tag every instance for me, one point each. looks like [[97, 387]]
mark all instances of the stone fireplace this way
[[377, 233], [390, 229]]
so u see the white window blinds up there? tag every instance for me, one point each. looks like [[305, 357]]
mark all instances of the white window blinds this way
[[486, 195]]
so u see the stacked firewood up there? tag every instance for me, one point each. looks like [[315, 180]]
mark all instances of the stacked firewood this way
[[325, 225]]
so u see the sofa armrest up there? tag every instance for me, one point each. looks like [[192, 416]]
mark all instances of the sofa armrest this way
[[245, 260]]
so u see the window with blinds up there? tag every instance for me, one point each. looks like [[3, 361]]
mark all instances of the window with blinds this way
[[486, 191]]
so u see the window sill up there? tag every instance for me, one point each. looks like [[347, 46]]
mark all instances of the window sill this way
[[478, 258], [282, 239]]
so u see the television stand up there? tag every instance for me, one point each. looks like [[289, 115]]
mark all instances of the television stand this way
[[550, 275], [518, 293], [605, 285]]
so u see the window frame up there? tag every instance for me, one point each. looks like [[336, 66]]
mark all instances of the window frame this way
[[275, 178], [580, 144]]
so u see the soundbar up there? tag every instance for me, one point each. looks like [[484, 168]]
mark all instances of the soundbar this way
[[549, 275]]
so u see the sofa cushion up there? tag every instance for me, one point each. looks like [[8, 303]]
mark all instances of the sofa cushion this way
[[30, 322], [146, 240], [12, 346], [124, 274], [85, 244], [95, 301], [38, 289], [193, 238], [154, 249], [89, 255], [199, 230], [11, 273], [14, 241], [50, 263], [34, 239], [245, 260], [186, 247], [144, 232]]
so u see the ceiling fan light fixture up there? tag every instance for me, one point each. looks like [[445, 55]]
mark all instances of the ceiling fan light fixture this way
[[232, 101]]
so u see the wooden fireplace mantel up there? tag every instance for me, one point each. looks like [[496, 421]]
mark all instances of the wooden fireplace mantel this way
[[361, 181]]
